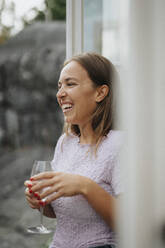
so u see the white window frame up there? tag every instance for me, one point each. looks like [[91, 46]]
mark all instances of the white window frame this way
[[74, 27]]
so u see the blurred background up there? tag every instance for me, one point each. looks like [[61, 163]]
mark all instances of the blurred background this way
[[32, 51]]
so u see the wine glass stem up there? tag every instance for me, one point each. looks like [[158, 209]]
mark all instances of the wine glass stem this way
[[41, 216]]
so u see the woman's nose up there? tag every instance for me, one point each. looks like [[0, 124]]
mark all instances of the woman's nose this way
[[61, 93]]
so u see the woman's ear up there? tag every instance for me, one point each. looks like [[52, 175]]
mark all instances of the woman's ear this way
[[102, 92]]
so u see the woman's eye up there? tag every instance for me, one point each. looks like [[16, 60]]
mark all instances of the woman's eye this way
[[70, 84]]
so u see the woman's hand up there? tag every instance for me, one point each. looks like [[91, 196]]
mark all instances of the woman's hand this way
[[58, 184], [32, 199]]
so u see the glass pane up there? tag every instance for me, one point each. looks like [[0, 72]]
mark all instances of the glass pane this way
[[93, 25], [101, 28], [32, 49]]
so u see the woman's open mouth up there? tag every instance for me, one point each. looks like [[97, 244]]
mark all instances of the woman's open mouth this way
[[66, 107]]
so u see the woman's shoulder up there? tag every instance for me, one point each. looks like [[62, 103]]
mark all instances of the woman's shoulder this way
[[61, 138], [112, 144], [66, 139], [115, 137]]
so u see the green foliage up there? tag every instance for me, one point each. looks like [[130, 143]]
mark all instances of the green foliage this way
[[4, 34], [40, 16], [54, 10], [57, 9], [5, 30]]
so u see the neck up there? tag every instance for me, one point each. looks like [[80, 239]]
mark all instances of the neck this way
[[87, 135]]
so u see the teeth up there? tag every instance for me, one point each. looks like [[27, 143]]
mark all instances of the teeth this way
[[66, 106]]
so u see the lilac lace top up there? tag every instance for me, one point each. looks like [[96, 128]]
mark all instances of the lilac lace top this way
[[78, 225]]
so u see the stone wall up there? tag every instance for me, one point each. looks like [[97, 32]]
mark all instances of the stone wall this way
[[30, 64]]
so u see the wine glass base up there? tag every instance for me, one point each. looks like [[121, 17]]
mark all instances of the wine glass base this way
[[39, 230]]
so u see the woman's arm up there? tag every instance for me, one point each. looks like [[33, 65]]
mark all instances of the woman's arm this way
[[103, 203]]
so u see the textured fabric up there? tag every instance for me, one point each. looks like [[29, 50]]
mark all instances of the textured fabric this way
[[78, 225], [104, 246]]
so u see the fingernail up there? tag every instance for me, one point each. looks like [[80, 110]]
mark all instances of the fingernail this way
[[42, 203], [37, 196], [30, 191], [31, 179], [29, 185]]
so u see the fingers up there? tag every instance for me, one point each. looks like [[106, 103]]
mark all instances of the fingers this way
[[51, 186], [44, 183], [53, 197], [32, 198], [44, 175], [28, 183], [56, 187], [32, 201], [27, 193], [37, 185]]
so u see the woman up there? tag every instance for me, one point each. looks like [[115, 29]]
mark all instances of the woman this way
[[85, 183]]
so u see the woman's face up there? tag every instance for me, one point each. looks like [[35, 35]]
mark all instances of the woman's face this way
[[77, 94]]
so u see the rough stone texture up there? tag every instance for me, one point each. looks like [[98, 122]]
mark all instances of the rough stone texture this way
[[30, 123], [30, 64]]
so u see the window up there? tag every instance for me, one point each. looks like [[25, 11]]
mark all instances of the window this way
[[101, 28]]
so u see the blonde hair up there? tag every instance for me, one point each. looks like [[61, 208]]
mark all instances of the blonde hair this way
[[101, 71]]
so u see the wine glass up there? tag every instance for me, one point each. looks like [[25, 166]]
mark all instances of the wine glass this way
[[39, 167]]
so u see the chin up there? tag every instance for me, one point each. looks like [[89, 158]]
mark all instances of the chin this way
[[70, 120]]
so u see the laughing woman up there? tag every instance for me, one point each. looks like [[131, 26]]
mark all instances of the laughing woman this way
[[85, 183]]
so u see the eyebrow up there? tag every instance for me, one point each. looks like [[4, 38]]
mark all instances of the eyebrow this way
[[68, 79]]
